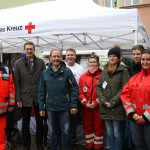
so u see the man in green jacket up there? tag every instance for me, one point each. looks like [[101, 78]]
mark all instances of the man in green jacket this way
[[58, 91]]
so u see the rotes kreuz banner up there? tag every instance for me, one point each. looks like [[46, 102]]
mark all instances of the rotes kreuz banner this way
[[29, 27]]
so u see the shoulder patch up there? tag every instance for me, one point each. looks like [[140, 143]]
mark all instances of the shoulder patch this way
[[85, 88]]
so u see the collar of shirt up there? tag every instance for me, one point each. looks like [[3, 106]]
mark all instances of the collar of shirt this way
[[55, 70]]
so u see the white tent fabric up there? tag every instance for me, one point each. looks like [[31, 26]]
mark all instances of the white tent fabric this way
[[80, 24]]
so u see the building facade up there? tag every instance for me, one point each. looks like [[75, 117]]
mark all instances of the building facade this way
[[142, 5]]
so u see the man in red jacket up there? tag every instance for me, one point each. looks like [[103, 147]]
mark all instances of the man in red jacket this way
[[7, 100]]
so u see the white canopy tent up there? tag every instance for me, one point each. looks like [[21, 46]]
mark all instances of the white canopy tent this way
[[79, 24]]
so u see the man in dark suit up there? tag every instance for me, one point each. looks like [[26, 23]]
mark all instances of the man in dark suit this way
[[27, 74]]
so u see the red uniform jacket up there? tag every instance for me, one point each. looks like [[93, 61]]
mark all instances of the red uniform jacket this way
[[136, 94], [87, 88], [7, 90]]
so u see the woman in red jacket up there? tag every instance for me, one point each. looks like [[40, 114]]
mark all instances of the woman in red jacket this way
[[136, 100], [92, 124]]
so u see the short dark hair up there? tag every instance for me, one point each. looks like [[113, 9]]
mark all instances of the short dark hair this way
[[55, 50], [29, 43], [71, 49], [94, 56], [138, 47], [146, 51]]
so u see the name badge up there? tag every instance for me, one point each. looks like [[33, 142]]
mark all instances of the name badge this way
[[104, 85]]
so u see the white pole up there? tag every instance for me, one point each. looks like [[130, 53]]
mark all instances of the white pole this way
[[57, 39], [135, 37], [1, 52]]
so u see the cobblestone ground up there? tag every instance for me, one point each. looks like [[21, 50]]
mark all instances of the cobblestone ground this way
[[16, 144], [19, 146]]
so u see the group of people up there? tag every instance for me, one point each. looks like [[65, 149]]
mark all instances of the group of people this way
[[63, 91]]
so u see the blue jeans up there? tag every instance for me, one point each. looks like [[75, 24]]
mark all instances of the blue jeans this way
[[114, 132], [128, 136], [140, 135], [59, 124]]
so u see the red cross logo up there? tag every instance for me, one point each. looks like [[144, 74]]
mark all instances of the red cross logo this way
[[29, 27]]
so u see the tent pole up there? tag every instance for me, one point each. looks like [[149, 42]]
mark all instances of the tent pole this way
[[1, 52], [135, 37], [1, 57], [57, 38], [93, 41], [79, 39]]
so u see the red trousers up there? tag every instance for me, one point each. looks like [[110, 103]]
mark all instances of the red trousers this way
[[93, 128], [2, 133]]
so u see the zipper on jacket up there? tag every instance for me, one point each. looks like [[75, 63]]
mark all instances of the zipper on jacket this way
[[92, 89]]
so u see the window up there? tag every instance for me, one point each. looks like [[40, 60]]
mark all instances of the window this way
[[110, 3], [96, 1], [131, 2]]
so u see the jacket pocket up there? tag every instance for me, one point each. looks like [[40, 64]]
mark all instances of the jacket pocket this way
[[103, 110]]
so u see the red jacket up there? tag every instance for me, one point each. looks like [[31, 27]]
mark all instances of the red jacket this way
[[87, 87], [136, 94], [7, 90]]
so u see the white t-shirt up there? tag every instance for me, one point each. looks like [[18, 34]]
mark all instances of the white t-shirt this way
[[77, 70]]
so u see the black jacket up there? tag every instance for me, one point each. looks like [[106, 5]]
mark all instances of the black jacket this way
[[134, 68]]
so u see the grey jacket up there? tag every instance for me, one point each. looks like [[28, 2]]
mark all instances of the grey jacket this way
[[27, 80], [109, 89]]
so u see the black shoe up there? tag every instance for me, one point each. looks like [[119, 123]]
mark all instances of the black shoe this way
[[80, 147], [40, 147], [72, 147], [26, 148]]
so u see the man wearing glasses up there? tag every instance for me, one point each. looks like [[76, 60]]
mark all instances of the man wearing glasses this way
[[27, 74]]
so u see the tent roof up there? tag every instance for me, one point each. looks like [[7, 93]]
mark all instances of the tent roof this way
[[79, 24]]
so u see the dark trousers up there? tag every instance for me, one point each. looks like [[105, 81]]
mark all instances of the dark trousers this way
[[74, 122], [73, 128], [26, 114], [140, 135]]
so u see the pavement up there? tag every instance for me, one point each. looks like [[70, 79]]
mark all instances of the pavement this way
[[17, 144]]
